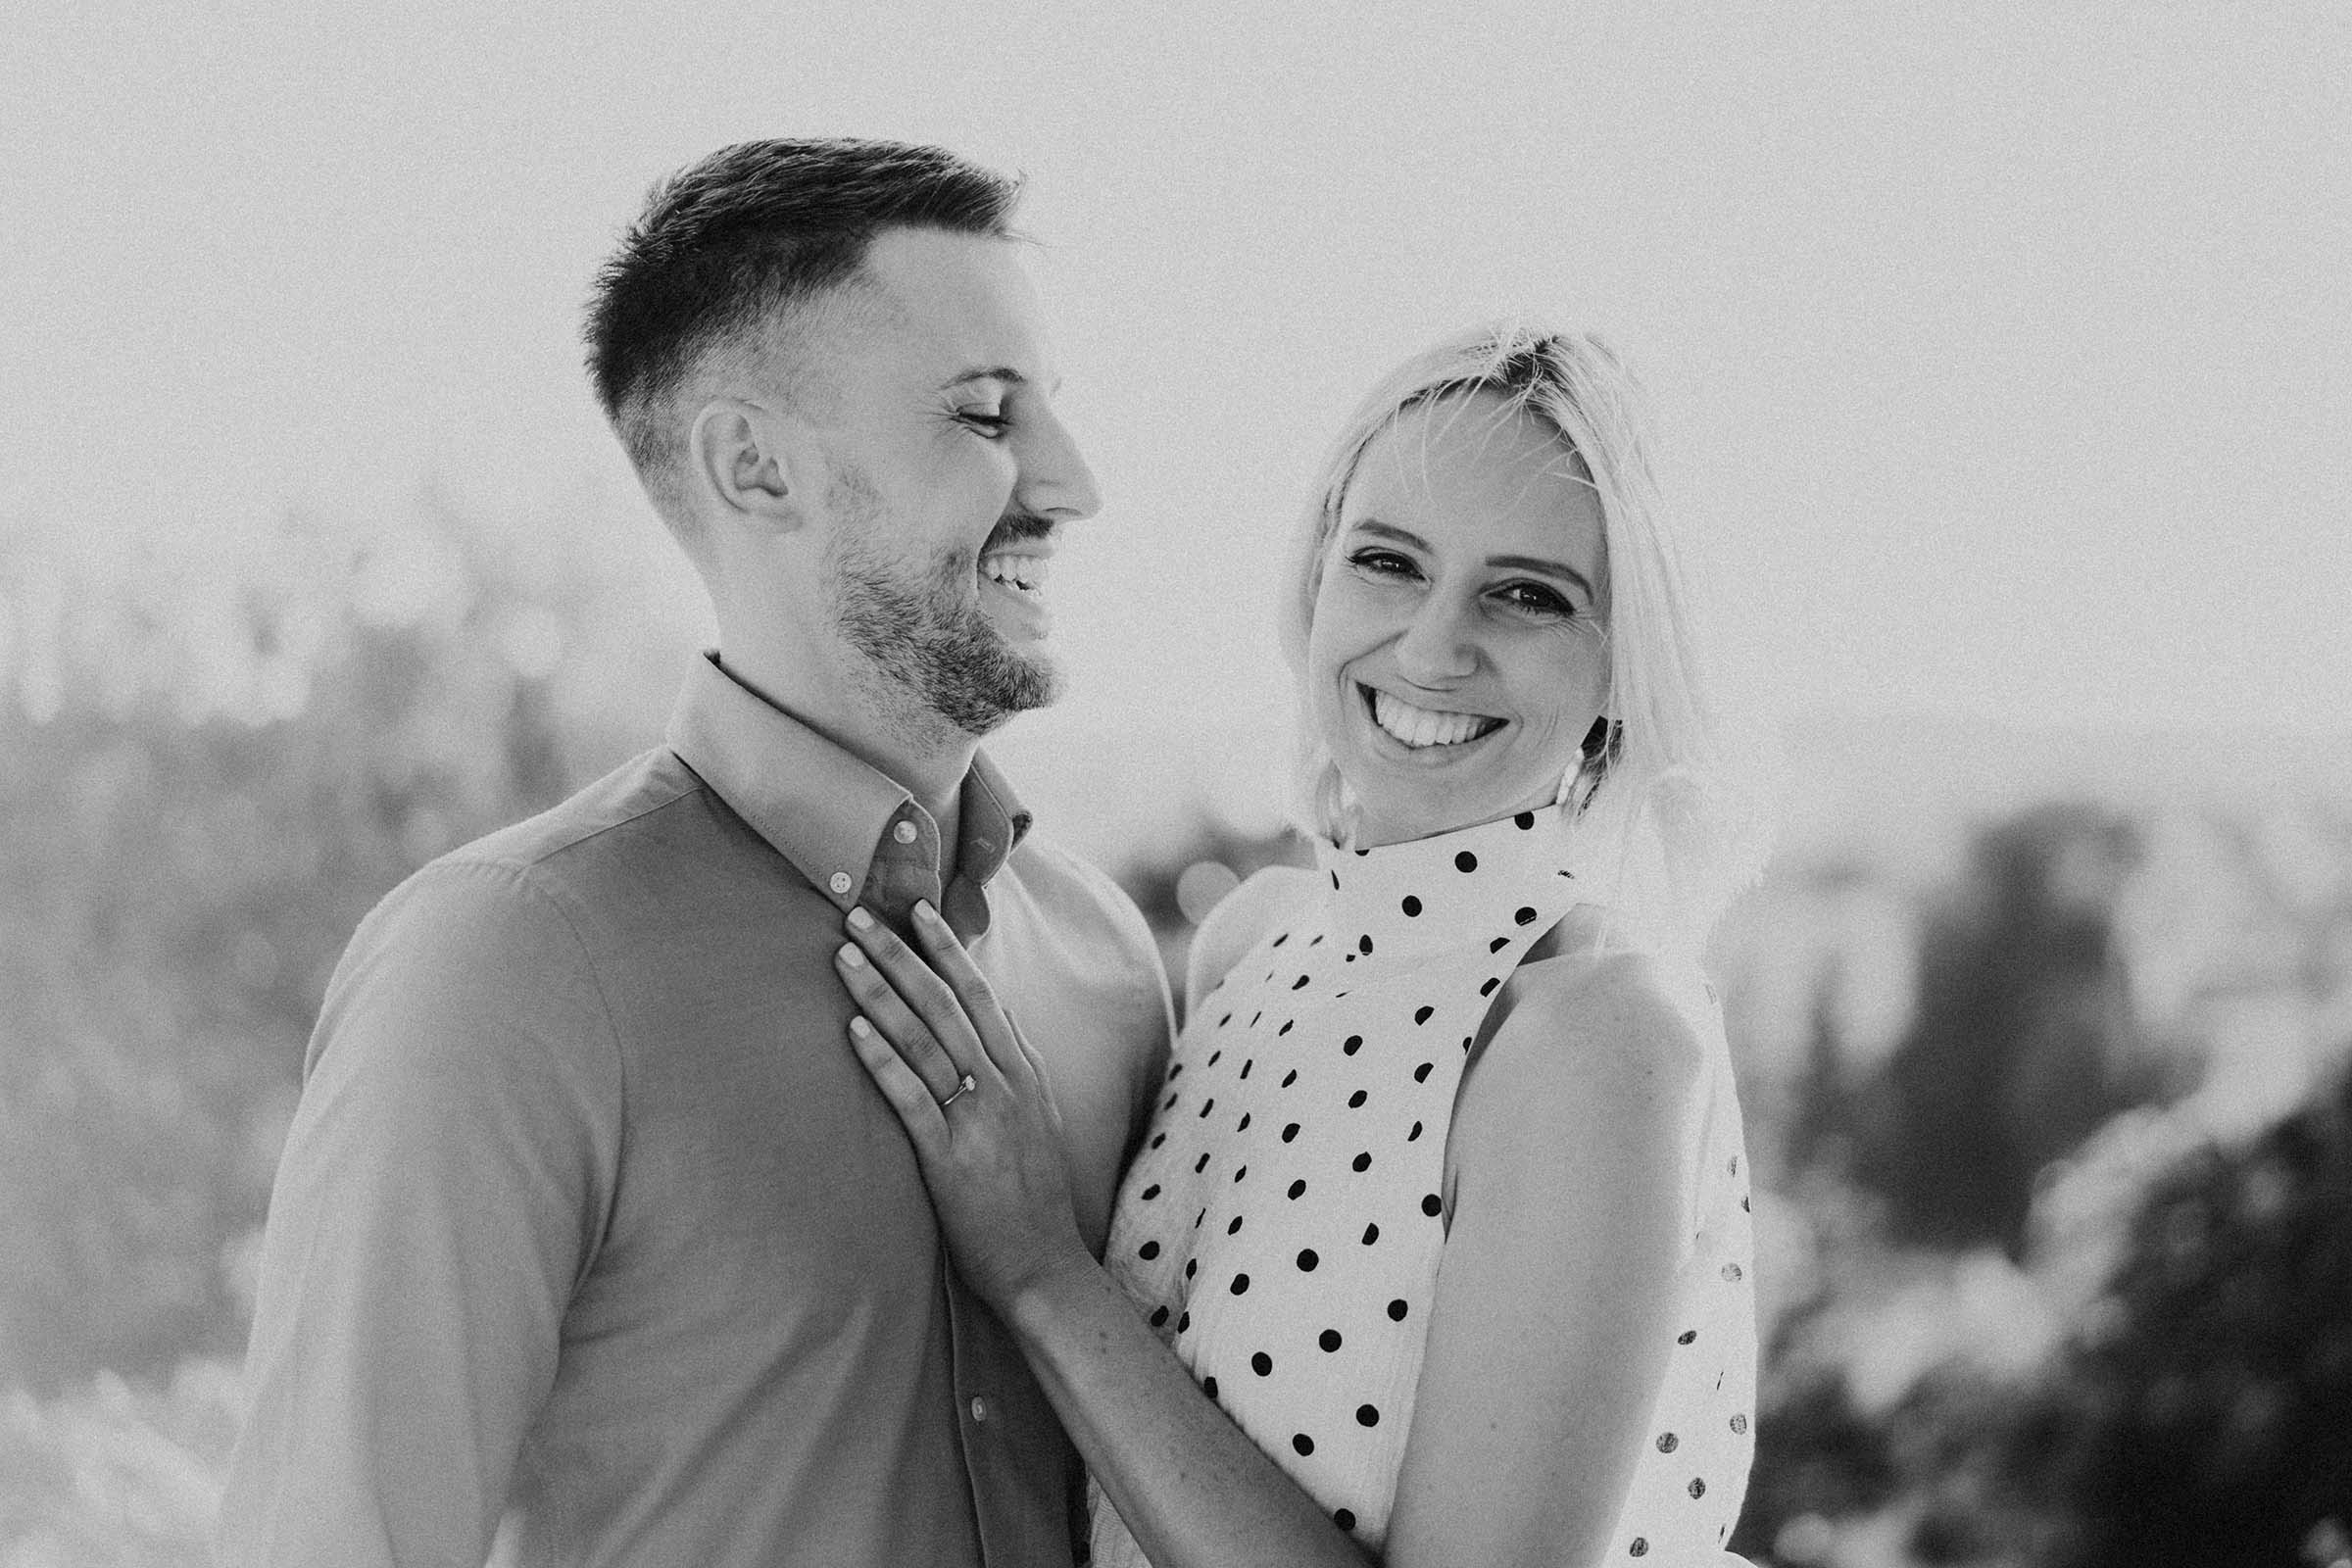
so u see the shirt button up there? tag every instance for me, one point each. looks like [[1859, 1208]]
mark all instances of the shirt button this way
[[840, 884], [903, 832], [979, 1409]]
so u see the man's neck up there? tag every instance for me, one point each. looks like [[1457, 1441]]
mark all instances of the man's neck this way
[[915, 749]]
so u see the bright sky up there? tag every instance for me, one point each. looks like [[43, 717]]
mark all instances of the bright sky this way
[[2003, 350]]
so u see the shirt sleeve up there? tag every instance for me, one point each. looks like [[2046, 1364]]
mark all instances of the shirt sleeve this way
[[443, 1188]]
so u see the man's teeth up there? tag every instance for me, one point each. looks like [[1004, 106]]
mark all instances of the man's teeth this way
[[1427, 726], [1024, 572]]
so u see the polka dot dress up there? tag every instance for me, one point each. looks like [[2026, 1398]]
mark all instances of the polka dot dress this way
[[1281, 1226]]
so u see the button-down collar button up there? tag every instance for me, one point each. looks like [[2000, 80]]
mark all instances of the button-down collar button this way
[[839, 882], [903, 832], [979, 1409]]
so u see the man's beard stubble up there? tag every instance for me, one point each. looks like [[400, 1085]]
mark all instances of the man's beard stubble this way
[[928, 639]]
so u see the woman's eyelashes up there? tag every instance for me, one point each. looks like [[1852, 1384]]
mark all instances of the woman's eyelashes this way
[[987, 421], [1533, 599]]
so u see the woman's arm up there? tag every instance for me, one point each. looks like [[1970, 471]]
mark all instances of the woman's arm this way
[[1520, 1447], [1573, 1140]]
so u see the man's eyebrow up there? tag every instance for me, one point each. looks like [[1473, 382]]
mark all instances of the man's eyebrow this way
[[992, 373], [1550, 569]]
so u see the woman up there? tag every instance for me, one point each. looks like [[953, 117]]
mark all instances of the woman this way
[[1438, 1245]]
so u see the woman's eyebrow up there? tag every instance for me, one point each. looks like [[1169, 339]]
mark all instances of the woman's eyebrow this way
[[1550, 568]]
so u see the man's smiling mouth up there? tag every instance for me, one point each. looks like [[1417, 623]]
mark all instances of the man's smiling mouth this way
[[1422, 727], [1022, 574]]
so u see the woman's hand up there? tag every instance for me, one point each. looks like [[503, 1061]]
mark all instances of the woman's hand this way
[[973, 1099]]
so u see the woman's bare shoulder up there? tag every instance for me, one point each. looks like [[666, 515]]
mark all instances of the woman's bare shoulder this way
[[1240, 920]]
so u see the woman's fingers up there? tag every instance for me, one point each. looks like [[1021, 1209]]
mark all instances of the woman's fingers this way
[[976, 998], [908, 1091], [938, 1063]]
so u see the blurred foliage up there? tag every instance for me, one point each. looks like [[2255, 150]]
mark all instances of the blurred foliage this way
[[2054, 1154]]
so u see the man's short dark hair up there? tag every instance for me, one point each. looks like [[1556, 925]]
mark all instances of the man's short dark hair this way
[[726, 246]]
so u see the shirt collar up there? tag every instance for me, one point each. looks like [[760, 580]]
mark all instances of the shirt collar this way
[[828, 812]]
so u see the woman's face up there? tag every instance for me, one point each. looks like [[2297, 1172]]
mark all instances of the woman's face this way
[[1455, 661]]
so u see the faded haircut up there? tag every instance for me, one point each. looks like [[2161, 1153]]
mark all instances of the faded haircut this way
[[731, 252]]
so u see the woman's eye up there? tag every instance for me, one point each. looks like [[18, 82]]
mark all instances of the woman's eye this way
[[987, 423], [1381, 562], [1538, 600]]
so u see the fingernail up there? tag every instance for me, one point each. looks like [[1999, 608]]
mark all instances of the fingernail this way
[[924, 912], [850, 958], [859, 919], [859, 1027]]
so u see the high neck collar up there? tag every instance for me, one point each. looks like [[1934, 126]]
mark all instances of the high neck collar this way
[[1472, 884]]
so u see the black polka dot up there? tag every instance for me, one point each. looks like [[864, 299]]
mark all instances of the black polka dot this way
[[1301, 1443], [1171, 1101], [1345, 1518], [1290, 1132], [1159, 1139], [1222, 1022], [1685, 1336], [1498, 943], [1421, 1073], [1158, 1317], [1465, 862], [1432, 1204], [1191, 1266], [1247, 1063], [1421, 1014], [1297, 1187], [1367, 1415], [1150, 1192], [1233, 1226], [1147, 1251], [1286, 1027], [1363, 943], [1329, 1339], [1243, 1125], [1280, 940], [1524, 821], [1699, 1487], [1200, 1164], [1241, 1172], [1216, 1057], [1526, 915], [1668, 1442], [1208, 1106], [1241, 1283], [1351, 1045], [1174, 1071], [1488, 989], [1184, 1322], [1415, 1132], [1730, 1273], [1411, 907], [1262, 1364], [1290, 1078], [1307, 1261], [1640, 1548], [1740, 1423], [1355, 1101], [1209, 1386], [1371, 1234], [1299, 983], [1397, 1310], [1362, 1161]]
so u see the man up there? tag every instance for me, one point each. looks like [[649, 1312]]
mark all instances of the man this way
[[589, 1219]]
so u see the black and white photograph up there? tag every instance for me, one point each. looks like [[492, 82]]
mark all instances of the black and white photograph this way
[[1074, 786]]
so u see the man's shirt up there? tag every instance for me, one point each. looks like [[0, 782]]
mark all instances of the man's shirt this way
[[589, 1218]]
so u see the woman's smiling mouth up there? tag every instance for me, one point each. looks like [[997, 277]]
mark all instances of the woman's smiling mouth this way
[[1420, 728]]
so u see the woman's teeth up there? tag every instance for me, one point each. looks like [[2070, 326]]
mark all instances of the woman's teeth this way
[[1427, 726], [1024, 573]]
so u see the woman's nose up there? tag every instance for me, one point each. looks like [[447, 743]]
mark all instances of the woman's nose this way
[[1438, 645]]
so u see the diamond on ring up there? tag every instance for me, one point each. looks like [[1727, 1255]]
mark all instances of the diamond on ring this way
[[963, 1088]]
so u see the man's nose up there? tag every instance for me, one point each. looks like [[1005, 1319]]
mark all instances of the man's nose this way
[[1056, 479], [1439, 643]]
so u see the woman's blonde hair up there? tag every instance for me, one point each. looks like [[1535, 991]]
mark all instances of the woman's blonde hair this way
[[1659, 814]]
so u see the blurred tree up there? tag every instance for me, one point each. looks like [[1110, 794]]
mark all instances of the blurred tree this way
[[2210, 1397], [205, 780], [2023, 1041]]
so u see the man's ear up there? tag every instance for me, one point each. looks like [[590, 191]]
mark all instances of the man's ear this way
[[740, 457]]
